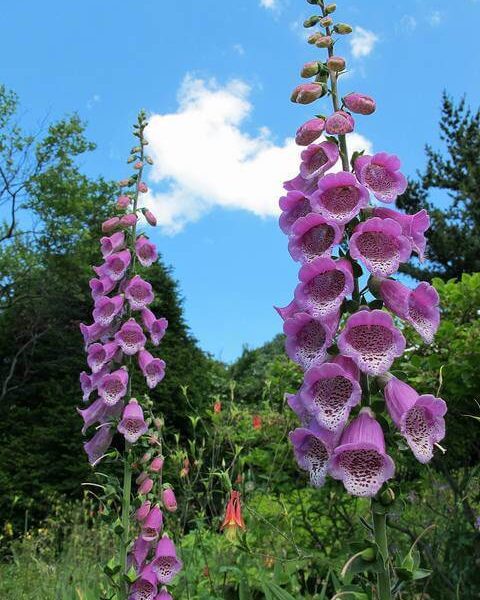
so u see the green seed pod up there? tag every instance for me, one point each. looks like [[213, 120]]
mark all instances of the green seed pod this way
[[342, 28], [368, 554], [387, 497]]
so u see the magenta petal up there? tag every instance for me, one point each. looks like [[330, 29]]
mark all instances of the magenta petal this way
[[317, 159], [339, 197], [307, 339]]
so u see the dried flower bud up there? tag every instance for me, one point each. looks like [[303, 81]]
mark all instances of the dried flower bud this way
[[342, 28], [324, 41], [336, 63], [311, 21], [308, 92], [309, 69]]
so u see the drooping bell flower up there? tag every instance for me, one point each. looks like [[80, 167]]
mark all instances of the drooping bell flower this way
[[381, 175], [150, 217], [317, 159], [145, 486], [101, 286], [156, 327], [287, 312], [340, 123], [413, 226], [89, 383], [152, 525], [233, 520], [145, 587], [110, 224], [420, 419], [99, 444], [360, 460], [301, 184], [360, 103], [295, 403], [164, 595], [293, 206], [133, 425], [142, 511], [324, 283], [113, 386], [371, 340], [106, 309], [169, 499], [329, 393], [312, 237], [309, 131], [152, 368], [130, 337], [114, 243], [313, 449], [92, 333], [347, 365], [97, 412], [157, 464], [98, 355], [142, 187], [146, 251], [380, 245], [419, 307], [339, 197], [138, 554], [139, 293], [116, 264], [307, 338], [166, 564]]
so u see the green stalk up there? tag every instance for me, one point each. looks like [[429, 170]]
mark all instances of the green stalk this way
[[380, 533]]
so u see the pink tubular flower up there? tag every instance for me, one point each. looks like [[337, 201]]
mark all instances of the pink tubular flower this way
[[138, 554], [132, 426], [97, 412], [380, 174], [92, 333], [339, 197], [156, 327], [99, 444], [89, 383], [128, 220], [371, 340], [152, 368], [102, 286], [123, 202], [419, 418], [306, 93], [166, 564], [169, 500], [130, 338], [317, 159], [99, 355], [288, 311], [301, 184], [313, 237], [106, 309], [145, 587], [309, 131], [110, 224], [113, 386], [142, 511], [139, 293], [116, 264], [360, 460], [150, 217], [324, 283], [308, 338], [329, 393], [142, 187], [360, 103], [340, 123], [294, 206], [145, 486], [164, 595], [152, 525], [112, 244], [313, 449], [419, 307], [295, 403], [146, 252], [413, 226], [380, 245]]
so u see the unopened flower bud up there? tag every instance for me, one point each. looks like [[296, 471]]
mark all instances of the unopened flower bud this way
[[158, 423], [169, 500], [124, 182], [150, 217], [368, 555], [308, 92], [326, 21], [123, 202], [312, 1], [330, 8], [142, 187], [141, 478], [336, 63], [217, 407], [157, 464], [342, 28], [324, 41], [311, 21], [146, 457], [142, 512], [145, 487], [138, 165], [131, 158], [136, 149], [309, 131], [387, 497], [309, 69], [128, 220], [110, 224], [340, 123], [360, 103], [312, 39]]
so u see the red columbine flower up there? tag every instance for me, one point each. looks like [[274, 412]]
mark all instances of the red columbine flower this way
[[233, 516], [217, 407], [257, 422]]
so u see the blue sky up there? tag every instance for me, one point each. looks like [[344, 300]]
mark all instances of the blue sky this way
[[217, 77]]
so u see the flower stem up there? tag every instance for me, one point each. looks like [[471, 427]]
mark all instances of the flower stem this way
[[379, 518], [127, 489]]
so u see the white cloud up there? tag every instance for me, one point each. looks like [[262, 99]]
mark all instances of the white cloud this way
[[204, 157], [239, 49], [408, 23], [95, 99], [435, 18], [269, 3], [362, 42]]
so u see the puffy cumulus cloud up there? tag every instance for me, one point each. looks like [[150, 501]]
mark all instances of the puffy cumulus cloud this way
[[204, 158], [362, 42]]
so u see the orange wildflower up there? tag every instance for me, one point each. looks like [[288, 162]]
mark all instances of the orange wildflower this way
[[233, 516]]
